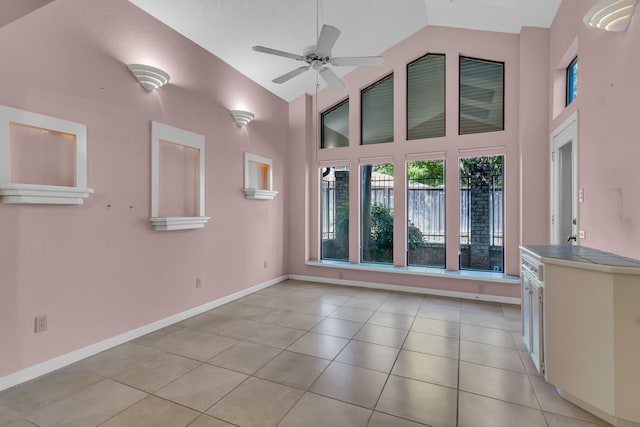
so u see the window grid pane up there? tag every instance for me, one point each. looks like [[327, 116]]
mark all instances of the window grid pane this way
[[426, 213], [376, 220], [377, 112], [334, 213], [481, 96], [426, 97], [335, 126], [572, 81]]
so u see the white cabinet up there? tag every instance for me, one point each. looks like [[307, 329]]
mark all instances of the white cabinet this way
[[533, 310]]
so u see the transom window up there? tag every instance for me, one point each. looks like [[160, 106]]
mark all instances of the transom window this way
[[572, 81], [377, 112], [481, 96], [335, 126], [425, 97]]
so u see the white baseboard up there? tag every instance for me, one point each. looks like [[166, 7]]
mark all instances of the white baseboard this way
[[425, 291], [82, 353]]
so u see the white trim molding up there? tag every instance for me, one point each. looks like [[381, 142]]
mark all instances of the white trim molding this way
[[159, 133], [82, 353], [12, 192]]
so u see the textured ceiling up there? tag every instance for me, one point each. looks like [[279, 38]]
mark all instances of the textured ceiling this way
[[229, 28]]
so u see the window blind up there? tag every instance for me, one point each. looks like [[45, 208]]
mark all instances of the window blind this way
[[481, 96], [426, 97], [377, 112], [335, 126]]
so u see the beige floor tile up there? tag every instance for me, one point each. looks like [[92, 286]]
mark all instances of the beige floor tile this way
[[382, 335], [480, 411], [245, 357], [427, 368], [379, 294], [350, 384], [436, 327], [90, 406], [319, 411], [245, 311], [517, 339], [407, 308], [557, 420], [159, 369], [391, 320], [432, 344], [481, 307], [379, 419], [435, 301], [202, 387], [153, 412], [295, 319], [490, 355], [276, 336], [511, 311], [256, 403], [497, 383], [338, 328], [528, 364], [332, 298], [205, 322], [484, 319], [319, 345], [550, 401], [193, 344], [9, 419], [27, 398], [207, 421], [439, 313], [316, 307], [367, 355], [115, 360], [366, 303], [240, 329], [354, 314], [484, 335], [153, 339], [417, 401], [293, 369]]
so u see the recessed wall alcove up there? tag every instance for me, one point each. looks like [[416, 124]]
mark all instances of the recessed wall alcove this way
[[258, 177], [42, 159], [177, 178]]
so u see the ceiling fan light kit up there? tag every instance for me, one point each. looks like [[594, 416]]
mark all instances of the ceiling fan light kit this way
[[319, 58]]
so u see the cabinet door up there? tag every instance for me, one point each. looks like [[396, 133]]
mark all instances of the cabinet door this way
[[537, 350], [526, 309]]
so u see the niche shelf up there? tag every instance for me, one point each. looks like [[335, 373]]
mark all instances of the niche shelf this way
[[47, 162], [258, 177], [177, 179]]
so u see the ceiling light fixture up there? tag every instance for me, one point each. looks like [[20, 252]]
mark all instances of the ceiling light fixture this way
[[242, 117], [149, 77], [610, 15]]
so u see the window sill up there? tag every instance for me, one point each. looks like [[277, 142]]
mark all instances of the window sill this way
[[179, 223], [485, 276], [43, 194]]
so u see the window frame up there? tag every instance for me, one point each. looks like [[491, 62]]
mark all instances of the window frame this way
[[569, 71], [329, 110], [444, 80], [460, 57], [377, 82]]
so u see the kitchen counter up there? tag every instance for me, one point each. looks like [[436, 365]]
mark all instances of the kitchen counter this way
[[592, 259]]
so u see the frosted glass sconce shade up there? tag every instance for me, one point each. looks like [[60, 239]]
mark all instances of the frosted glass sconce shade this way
[[149, 77], [610, 15], [241, 117]]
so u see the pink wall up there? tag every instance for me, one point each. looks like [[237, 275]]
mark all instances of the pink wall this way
[[99, 271], [608, 126], [452, 42]]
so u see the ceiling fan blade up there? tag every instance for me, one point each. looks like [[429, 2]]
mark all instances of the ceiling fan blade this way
[[358, 61], [291, 74], [331, 78], [326, 40], [278, 53]]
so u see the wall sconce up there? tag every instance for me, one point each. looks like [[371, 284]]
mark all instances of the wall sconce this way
[[149, 77], [610, 15], [242, 117]]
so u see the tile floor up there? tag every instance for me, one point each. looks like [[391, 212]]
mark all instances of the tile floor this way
[[306, 354]]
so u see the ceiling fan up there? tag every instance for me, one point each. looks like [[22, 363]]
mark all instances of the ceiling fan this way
[[319, 57]]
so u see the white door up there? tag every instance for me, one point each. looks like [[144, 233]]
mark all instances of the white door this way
[[564, 167]]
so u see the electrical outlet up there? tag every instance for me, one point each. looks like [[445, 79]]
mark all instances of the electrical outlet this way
[[582, 234], [198, 282], [40, 324]]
